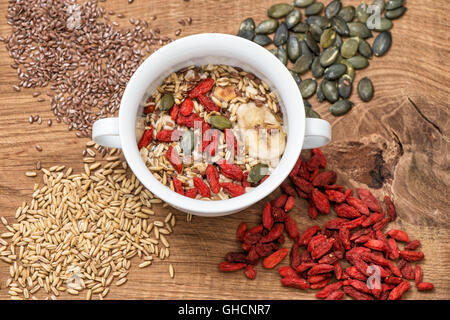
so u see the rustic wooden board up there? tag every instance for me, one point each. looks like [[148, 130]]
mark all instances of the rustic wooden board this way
[[397, 143]]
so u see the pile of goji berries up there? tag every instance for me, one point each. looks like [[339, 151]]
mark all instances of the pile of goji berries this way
[[350, 255]]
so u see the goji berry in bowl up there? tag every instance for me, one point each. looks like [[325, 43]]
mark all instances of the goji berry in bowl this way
[[201, 50]]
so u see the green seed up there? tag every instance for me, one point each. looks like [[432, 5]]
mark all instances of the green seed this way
[[258, 172], [247, 29], [394, 4], [322, 21], [380, 4], [327, 38], [306, 103], [333, 8], [362, 13], [314, 9], [281, 35], [365, 89], [340, 26], [341, 107], [335, 71], [262, 40], [316, 69], [358, 29], [296, 77], [349, 47], [301, 27], [303, 3], [316, 32], [350, 70], [299, 36], [330, 90], [308, 88], [303, 63], [320, 96], [395, 13], [305, 49], [345, 86], [312, 44], [364, 49], [279, 10], [358, 62], [220, 122], [167, 102], [293, 18], [384, 24], [347, 13], [329, 56], [282, 55], [187, 142], [338, 42], [293, 48], [382, 43], [310, 113], [267, 26]]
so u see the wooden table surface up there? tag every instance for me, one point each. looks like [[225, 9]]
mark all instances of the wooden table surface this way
[[397, 144]]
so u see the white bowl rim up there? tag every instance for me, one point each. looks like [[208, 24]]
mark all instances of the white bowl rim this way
[[273, 69]]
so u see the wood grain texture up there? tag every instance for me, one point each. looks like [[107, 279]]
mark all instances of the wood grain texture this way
[[397, 143]]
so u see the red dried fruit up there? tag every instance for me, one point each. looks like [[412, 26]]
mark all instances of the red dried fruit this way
[[376, 245], [393, 280], [302, 184], [210, 142], [250, 272], [287, 271], [368, 198], [321, 248], [294, 256], [208, 103], [290, 202], [395, 270], [231, 141], [238, 257], [380, 224], [295, 282], [399, 290], [212, 175], [178, 186], [303, 171], [319, 278], [174, 159], [202, 187], [190, 121], [231, 266], [149, 109], [335, 295], [321, 202], [278, 214], [354, 273], [146, 138], [252, 256], [338, 270], [335, 196], [186, 107], [288, 189], [411, 255], [275, 258], [169, 135], [241, 230], [360, 286], [355, 294], [390, 208], [201, 88], [317, 160], [313, 175], [393, 250], [256, 229], [307, 235], [191, 193], [372, 219], [413, 245], [425, 286], [312, 210], [320, 284], [174, 112], [330, 258], [231, 171], [345, 211], [267, 218], [398, 235], [280, 201], [418, 275], [291, 227], [324, 178], [354, 223], [358, 205], [336, 187], [344, 237], [320, 268], [274, 233], [296, 168], [233, 189], [245, 183]]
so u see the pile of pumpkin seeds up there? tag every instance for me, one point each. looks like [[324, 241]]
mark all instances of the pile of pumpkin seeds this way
[[332, 41]]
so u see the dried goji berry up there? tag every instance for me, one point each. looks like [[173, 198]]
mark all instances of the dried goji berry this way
[[291, 227], [354, 223], [253, 256], [290, 202], [302, 184], [186, 107], [231, 266], [368, 198], [398, 235], [208, 103], [345, 211], [231, 141], [233, 189], [278, 214], [411, 255], [174, 159], [390, 208], [324, 178], [169, 135], [399, 290], [250, 272], [375, 244], [178, 186], [312, 210], [191, 120], [336, 187], [307, 235], [146, 138], [256, 229], [358, 205], [380, 224], [418, 275], [149, 109], [355, 294], [372, 219], [393, 250], [202, 187], [304, 266], [319, 284], [275, 258], [354, 273], [241, 230], [413, 245], [321, 202], [425, 286], [294, 256], [288, 189], [274, 233], [191, 193], [287, 271], [313, 175], [230, 170], [318, 278], [267, 218], [296, 168], [335, 295], [201, 88], [338, 270], [295, 282], [335, 196], [320, 157], [174, 112], [245, 183], [238, 257], [344, 237], [359, 285], [320, 268], [212, 175], [280, 201], [321, 248]]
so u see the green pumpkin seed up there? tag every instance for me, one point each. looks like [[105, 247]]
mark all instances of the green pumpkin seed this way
[[279, 10], [327, 38], [262, 40], [358, 29], [167, 102], [293, 48], [258, 172], [310, 113], [330, 90], [329, 56], [305, 49], [314, 9], [293, 18], [312, 44], [349, 47], [187, 142], [358, 62], [384, 24], [362, 13], [281, 35], [322, 21], [394, 4], [267, 26], [320, 96], [340, 26], [296, 77], [247, 29], [316, 69], [364, 49], [303, 63], [308, 88], [316, 32], [382, 43], [273, 51], [333, 8], [341, 107], [338, 42], [335, 71], [350, 70], [380, 4], [347, 13], [303, 3], [299, 36], [365, 89], [306, 103], [301, 27], [345, 86], [282, 55], [220, 122], [395, 13]]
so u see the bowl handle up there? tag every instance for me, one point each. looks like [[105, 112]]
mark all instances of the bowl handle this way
[[317, 133], [105, 132]]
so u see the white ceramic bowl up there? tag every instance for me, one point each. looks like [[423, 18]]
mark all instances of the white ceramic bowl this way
[[200, 50]]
